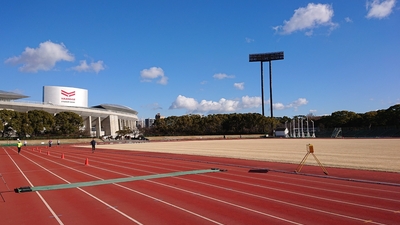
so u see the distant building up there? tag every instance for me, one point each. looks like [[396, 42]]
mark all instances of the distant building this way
[[149, 122], [104, 119], [140, 124], [158, 116], [281, 132]]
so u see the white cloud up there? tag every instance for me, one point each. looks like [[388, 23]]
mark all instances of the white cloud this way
[[163, 80], [97, 66], [223, 105], [239, 86], [42, 58], [153, 106], [309, 33], [380, 8], [92, 67], [227, 106], [348, 20], [249, 40], [299, 102], [221, 76], [182, 102], [295, 104], [148, 75], [250, 102], [308, 18], [278, 106]]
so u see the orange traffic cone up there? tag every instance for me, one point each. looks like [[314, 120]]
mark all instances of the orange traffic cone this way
[[40, 150], [48, 153], [86, 162], [62, 156]]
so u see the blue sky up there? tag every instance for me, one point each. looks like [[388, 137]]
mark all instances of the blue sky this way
[[192, 57]]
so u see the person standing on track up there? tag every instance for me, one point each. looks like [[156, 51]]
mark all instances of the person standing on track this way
[[19, 145], [93, 143]]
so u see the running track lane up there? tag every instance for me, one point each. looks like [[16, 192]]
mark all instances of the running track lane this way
[[233, 197]]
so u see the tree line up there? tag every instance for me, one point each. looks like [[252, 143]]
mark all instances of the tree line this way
[[374, 119], [39, 123], [255, 123], [215, 124]]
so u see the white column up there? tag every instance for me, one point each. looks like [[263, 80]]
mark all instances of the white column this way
[[90, 125], [98, 127]]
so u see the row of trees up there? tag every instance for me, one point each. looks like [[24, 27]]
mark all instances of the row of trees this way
[[251, 123], [39, 123], [215, 124], [381, 118]]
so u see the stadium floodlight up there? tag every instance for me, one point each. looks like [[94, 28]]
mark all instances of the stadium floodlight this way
[[266, 57]]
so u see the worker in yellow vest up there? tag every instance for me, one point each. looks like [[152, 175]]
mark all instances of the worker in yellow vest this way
[[19, 145]]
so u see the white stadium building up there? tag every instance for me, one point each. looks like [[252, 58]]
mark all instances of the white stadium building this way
[[100, 120]]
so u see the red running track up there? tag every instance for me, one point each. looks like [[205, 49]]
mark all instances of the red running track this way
[[232, 197]]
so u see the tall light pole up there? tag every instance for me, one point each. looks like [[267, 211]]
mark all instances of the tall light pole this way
[[266, 57]]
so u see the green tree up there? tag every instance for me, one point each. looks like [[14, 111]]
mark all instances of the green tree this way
[[41, 121], [124, 131], [9, 121], [393, 115], [67, 123], [369, 119], [24, 127]]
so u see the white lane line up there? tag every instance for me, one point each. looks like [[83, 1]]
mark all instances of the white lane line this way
[[313, 181], [225, 202], [232, 204], [344, 202], [339, 185], [39, 195], [157, 199], [307, 195], [311, 196], [278, 201], [300, 206], [113, 208], [169, 204], [329, 190]]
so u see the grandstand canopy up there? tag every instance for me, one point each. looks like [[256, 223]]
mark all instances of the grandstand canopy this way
[[114, 107], [5, 95]]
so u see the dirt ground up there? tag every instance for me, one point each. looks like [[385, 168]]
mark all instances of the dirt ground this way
[[368, 154]]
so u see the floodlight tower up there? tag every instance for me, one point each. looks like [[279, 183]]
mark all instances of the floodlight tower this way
[[266, 57]]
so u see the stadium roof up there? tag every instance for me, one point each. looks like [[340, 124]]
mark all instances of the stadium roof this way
[[114, 107], [5, 95]]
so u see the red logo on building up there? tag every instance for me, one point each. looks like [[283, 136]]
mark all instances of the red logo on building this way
[[68, 94], [68, 97]]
